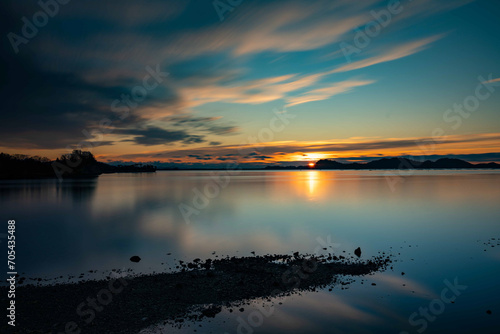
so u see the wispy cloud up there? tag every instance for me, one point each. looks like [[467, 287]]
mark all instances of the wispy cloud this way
[[247, 92], [274, 26], [327, 92], [394, 53], [491, 81]]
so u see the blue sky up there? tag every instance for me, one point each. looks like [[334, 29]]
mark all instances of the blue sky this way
[[228, 79]]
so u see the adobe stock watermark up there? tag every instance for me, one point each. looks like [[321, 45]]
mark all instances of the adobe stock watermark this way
[[48, 9], [221, 179], [122, 108], [363, 38], [291, 277], [88, 309], [454, 118], [223, 7], [425, 315]]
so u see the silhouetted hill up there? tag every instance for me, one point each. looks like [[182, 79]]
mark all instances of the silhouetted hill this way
[[78, 164], [447, 163], [392, 163], [487, 165], [329, 164]]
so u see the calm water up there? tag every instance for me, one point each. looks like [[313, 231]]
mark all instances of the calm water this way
[[437, 221]]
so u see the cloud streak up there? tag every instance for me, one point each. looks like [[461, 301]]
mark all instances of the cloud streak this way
[[395, 53], [327, 92], [492, 81]]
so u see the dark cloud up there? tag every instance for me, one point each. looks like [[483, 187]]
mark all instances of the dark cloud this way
[[194, 121], [222, 130], [157, 136], [256, 156], [51, 102], [49, 109], [101, 143], [209, 125], [200, 157], [193, 139], [227, 157]]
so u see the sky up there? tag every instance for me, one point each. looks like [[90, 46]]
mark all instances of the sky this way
[[208, 83]]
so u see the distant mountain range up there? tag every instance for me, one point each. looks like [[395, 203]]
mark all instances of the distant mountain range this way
[[405, 163]]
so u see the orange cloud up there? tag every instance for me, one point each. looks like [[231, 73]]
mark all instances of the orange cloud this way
[[290, 151]]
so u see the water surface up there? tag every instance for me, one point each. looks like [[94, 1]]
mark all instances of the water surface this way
[[437, 222]]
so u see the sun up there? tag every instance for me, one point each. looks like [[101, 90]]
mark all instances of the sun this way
[[311, 164]]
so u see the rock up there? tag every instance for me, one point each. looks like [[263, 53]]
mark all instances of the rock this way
[[212, 311], [488, 312], [357, 252], [135, 258]]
